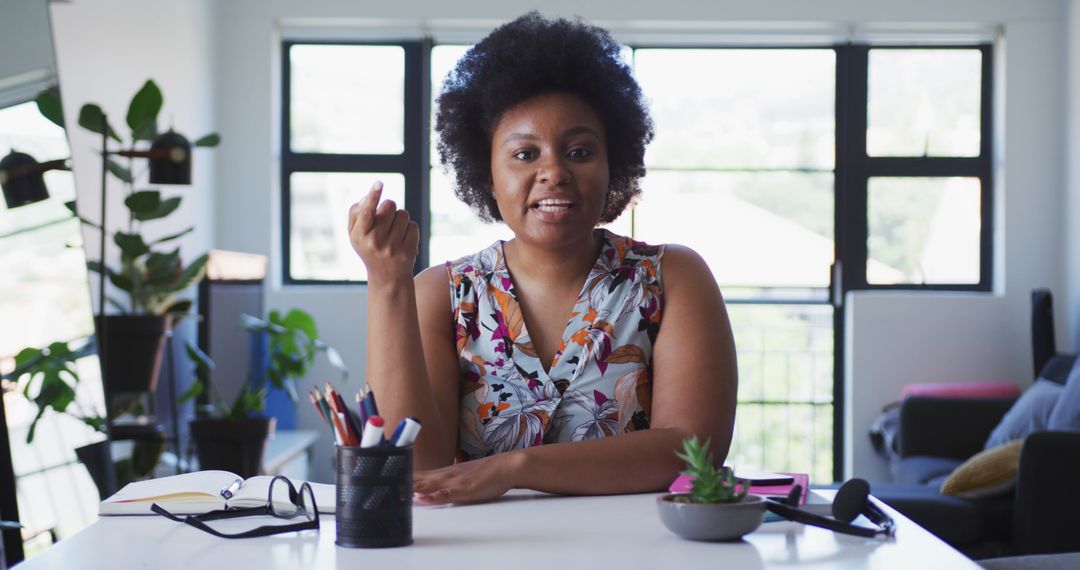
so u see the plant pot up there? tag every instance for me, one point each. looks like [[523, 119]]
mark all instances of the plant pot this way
[[232, 445], [134, 345], [711, 522], [97, 458]]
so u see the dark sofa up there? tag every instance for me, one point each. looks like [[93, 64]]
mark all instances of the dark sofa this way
[[938, 434]]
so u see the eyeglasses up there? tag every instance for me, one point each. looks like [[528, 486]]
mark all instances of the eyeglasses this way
[[283, 501]]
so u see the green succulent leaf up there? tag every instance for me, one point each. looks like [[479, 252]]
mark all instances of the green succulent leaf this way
[[143, 111], [210, 140], [48, 104], [711, 484], [92, 118]]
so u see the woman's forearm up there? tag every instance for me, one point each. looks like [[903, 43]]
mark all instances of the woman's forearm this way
[[396, 370], [636, 462]]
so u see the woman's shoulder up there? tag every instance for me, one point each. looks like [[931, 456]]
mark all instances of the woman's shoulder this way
[[481, 262]]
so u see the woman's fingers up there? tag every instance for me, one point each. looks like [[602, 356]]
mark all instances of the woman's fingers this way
[[398, 226], [411, 243], [363, 212]]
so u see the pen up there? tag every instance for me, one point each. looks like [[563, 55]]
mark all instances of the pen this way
[[406, 432], [373, 432], [227, 492]]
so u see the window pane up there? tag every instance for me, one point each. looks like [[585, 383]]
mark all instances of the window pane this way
[[784, 418], [739, 108], [923, 230], [347, 99], [456, 231], [753, 229], [443, 59], [319, 238], [924, 102]]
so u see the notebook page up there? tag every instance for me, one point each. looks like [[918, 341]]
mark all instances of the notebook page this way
[[187, 486]]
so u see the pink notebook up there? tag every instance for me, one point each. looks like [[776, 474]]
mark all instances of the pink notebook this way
[[682, 484]]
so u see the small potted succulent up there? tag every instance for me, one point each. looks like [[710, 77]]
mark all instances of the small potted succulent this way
[[718, 506]]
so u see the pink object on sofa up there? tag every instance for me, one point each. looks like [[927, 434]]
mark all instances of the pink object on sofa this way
[[962, 390]]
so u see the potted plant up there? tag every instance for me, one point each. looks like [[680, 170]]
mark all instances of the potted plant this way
[[233, 437], [150, 271], [49, 378], [718, 506]]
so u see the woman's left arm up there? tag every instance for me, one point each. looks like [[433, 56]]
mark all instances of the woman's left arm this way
[[694, 391]]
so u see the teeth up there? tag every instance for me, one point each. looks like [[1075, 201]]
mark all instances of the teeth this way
[[553, 205]]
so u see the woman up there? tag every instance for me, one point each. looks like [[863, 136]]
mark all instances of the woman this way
[[567, 359]]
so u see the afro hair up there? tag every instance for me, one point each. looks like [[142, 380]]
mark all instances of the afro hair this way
[[524, 58]]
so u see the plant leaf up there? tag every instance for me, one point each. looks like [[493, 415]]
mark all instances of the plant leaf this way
[[91, 118], [48, 104], [120, 172], [143, 201], [193, 392], [192, 273], [181, 306], [173, 236], [143, 111], [131, 245], [336, 361], [166, 207], [301, 320], [210, 140]]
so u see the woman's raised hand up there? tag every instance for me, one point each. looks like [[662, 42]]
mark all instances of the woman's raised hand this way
[[383, 236]]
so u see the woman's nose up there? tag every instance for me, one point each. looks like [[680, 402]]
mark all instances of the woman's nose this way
[[553, 170]]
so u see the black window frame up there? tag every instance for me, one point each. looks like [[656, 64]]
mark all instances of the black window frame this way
[[855, 167], [412, 163]]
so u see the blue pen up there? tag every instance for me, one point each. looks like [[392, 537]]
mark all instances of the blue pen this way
[[369, 402], [392, 442], [409, 428]]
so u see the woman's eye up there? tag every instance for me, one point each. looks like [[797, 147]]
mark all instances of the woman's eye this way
[[523, 154], [580, 153]]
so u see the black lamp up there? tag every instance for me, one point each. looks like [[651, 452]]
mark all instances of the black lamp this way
[[23, 178]]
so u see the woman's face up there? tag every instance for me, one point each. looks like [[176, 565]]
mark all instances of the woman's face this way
[[549, 169]]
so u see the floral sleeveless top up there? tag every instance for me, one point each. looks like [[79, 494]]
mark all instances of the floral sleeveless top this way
[[599, 383]]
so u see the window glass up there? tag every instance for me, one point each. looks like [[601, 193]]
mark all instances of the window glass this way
[[785, 419], [347, 99], [740, 108], [754, 229], [319, 206], [923, 230], [924, 102]]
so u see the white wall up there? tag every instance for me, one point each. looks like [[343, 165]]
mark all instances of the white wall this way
[[895, 338], [1071, 211], [105, 51]]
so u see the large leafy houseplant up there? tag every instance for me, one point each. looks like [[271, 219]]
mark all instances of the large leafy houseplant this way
[[150, 271], [232, 436], [49, 378], [292, 343]]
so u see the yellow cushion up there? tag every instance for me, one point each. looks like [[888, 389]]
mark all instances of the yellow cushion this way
[[987, 473]]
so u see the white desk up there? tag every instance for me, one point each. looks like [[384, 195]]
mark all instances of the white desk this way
[[521, 531]]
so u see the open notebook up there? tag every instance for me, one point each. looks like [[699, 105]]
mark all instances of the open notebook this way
[[200, 492]]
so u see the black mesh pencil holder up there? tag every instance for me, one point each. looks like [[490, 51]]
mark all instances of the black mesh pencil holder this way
[[374, 496]]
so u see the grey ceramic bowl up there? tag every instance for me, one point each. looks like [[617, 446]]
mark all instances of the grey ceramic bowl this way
[[722, 521]]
